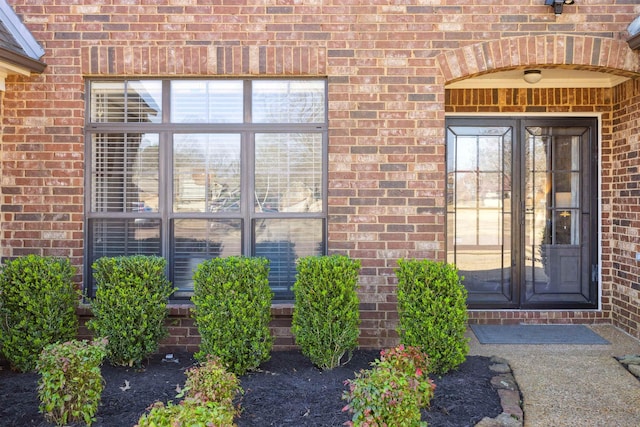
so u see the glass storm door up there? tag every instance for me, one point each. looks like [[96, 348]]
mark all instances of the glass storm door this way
[[522, 211]]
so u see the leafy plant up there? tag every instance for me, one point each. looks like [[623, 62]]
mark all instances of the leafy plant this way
[[392, 392], [211, 382], [70, 385], [38, 302], [232, 309], [414, 363], [130, 306], [326, 313], [209, 392], [432, 312], [187, 414]]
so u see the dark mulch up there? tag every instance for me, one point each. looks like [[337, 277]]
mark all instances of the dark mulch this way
[[287, 391]]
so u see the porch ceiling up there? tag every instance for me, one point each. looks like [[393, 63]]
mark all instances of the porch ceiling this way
[[551, 78]]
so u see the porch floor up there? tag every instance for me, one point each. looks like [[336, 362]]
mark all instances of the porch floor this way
[[573, 385]]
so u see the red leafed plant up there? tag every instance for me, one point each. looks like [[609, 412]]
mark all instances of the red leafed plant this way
[[392, 392]]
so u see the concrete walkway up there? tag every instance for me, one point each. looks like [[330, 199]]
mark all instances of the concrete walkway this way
[[573, 385]]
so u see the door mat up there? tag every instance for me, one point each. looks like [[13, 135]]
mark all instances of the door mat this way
[[536, 334]]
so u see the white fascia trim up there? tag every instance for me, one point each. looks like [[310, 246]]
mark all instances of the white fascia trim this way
[[18, 30]]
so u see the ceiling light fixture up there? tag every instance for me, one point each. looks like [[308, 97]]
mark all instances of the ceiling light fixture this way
[[532, 76], [557, 5]]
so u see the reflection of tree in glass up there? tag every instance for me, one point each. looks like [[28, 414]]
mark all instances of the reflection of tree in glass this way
[[288, 174], [146, 164], [495, 158], [211, 165], [145, 175]]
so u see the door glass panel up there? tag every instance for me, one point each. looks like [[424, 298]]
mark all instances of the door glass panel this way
[[520, 211], [479, 209], [553, 263]]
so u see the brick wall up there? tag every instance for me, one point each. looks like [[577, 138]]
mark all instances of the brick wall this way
[[624, 219], [386, 66]]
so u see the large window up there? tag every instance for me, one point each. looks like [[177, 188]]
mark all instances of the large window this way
[[195, 169]]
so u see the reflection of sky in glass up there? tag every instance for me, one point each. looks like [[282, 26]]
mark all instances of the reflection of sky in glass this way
[[149, 140], [150, 91], [290, 101], [471, 148], [207, 101], [466, 153]]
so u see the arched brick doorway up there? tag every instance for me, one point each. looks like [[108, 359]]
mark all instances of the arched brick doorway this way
[[609, 104]]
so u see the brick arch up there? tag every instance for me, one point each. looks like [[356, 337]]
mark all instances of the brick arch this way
[[203, 60], [571, 51]]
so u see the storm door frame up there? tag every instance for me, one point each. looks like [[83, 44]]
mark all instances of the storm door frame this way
[[516, 271]]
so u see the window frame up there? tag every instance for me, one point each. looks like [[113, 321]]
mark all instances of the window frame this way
[[247, 214]]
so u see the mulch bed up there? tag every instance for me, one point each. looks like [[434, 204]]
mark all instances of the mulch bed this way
[[287, 391]]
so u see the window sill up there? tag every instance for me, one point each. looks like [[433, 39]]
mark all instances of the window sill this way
[[184, 310]]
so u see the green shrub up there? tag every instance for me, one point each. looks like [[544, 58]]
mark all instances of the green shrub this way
[[38, 302], [392, 392], [326, 313], [210, 382], [130, 306], [432, 312], [232, 310], [187, 414], [70, 385]]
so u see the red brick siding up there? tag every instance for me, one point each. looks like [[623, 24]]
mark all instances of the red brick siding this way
[[386, 65], [624, 219]]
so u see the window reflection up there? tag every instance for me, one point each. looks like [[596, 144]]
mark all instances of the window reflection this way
[[124, 172], [288, 101], [206, 101], [479, 208], [234, 167], [288, 174], [284, 241], [206, 175], [126, 101]]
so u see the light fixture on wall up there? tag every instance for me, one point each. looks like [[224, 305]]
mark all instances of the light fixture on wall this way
[[557, 5], [532, 76]]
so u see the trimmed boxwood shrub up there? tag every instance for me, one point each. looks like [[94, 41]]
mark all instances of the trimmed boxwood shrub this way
[[232, 309], [326, 315], [38, 302], [432, 312], [130, 306]]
